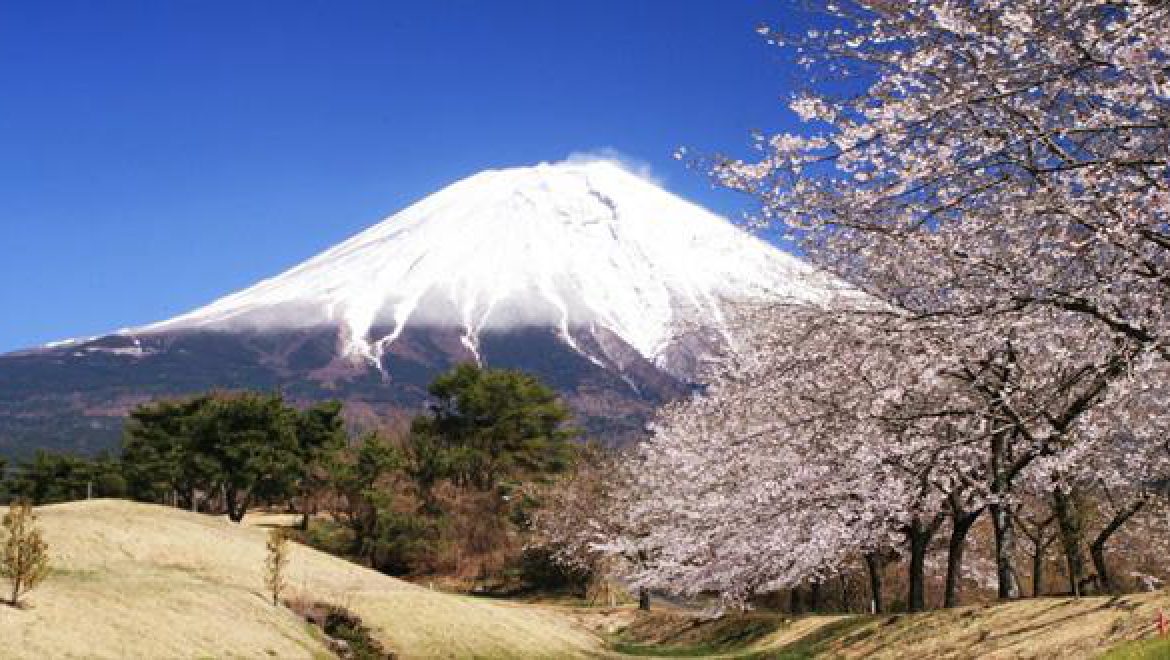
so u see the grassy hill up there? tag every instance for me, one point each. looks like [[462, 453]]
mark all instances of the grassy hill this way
[[1064, 628], [137, 580]]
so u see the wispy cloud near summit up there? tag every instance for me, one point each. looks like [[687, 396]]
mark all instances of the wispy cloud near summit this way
[[629, 163]]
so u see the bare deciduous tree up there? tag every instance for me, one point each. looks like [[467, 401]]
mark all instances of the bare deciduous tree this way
[[25, 562], [276, 563]]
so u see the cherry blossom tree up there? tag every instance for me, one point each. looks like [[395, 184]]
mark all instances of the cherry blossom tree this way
[[805, 455], [1116, 468], [850, 430], [1002, 165], [1036, 524], [991, 180], [1020, 146]]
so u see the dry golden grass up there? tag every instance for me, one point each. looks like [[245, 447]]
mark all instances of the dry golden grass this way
[[794, 632], [144, 581], [1063, 628]]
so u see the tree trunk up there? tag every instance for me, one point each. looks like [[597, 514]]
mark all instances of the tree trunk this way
[[814, 597], [644, 599], [1001, 521], [236, 506], [1005, 545], [794, 602], [916, 599], [873, 565], [1069, 521], [1038, 535], [1097, 552], [960, 526], [919, 540], [1097, 548], [309, 506]]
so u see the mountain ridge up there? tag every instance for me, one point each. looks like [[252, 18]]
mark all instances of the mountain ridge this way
[[571, 244], [585, 274]]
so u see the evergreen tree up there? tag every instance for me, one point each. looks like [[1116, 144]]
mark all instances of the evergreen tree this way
[[359, 477], [320, 436], [158, 458], [250, 442], [244, 447], [489, 425], [51, 477]]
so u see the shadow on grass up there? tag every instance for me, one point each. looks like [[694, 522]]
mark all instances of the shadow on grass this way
[[818, 642], [736, 637], [722, 636]]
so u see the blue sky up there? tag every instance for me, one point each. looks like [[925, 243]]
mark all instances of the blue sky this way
[[157, 154]]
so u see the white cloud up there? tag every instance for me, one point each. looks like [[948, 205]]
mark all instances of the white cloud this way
[[629, 163]]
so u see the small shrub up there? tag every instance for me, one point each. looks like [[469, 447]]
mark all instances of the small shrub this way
[[25, 562], [401, 543], [329, 537], [276, 563], [349, 637]]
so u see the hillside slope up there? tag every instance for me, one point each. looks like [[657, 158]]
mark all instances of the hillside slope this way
[[1067, 628], [138, 580]]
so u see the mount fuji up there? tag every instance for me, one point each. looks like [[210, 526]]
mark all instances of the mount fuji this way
[[608, 287]]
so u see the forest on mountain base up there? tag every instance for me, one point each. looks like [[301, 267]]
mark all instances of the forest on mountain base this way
[[450, 497]]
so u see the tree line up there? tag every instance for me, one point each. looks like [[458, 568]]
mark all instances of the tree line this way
[[387, 499]]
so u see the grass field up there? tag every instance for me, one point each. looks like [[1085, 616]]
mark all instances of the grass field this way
[[144, 581], [1065, 628], [1146, 649]]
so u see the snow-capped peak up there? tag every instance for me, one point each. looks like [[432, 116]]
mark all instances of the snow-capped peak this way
[[573, 244]]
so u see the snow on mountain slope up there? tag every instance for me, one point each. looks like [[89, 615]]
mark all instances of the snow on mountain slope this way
[[569, 245]]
